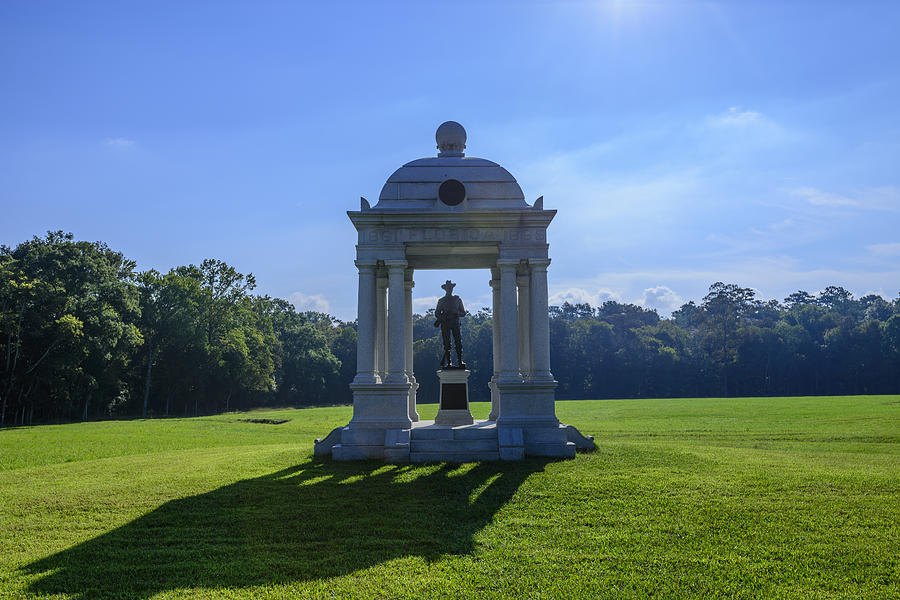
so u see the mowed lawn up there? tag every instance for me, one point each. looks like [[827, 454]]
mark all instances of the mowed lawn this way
[[689, 498]]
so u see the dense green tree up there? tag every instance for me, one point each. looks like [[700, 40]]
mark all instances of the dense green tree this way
[[68, 316], [724, 308], [308, 369], [799, 298]]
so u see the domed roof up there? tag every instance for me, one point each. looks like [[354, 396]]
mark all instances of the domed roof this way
[[418, 184]]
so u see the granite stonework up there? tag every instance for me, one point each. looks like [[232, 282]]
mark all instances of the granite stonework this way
[[453, 408], [452, 212]]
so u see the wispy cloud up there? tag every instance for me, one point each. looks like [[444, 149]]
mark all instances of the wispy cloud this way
[[680, 201], [888, 249], [739, 133], [119, 142], [819, 198], [735, 117], [313, 302], [877, 198]]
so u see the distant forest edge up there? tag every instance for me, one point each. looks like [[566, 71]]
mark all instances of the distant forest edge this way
[[83, 335]]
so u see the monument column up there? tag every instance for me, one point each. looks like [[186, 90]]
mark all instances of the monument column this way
[[495, 327], [408, 286], [396, 337], [365, 311], [509, 323], [523, 283], [381, 284], [540, 321]]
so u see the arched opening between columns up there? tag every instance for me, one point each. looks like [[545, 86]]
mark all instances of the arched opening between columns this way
[[517, 290]]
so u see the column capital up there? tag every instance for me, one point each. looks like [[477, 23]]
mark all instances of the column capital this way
[[538, 263], [395, 264], [504, 264], [365, 264]]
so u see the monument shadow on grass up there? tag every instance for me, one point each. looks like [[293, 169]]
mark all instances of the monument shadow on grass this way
[[315, 520]]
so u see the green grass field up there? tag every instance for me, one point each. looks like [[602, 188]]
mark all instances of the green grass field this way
[[691, 498]]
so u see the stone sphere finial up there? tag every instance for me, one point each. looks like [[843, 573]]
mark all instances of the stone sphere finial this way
[[451, 139]]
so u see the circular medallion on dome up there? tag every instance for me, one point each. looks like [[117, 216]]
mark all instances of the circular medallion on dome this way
[[452, 192]]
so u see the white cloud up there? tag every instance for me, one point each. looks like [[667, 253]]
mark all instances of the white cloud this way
[[740, 133], [789, 222], [885, 198], [888, 249], [662, 298], [421, 305], [882, 198], [735, 117], [119, 142], [304, 302], [772, 276], [580, 295], [820, 198]]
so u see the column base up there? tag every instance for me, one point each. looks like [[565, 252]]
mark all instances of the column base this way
[[366, 379], [528, 420], [380, 418], [414, 386], [380, 405], [527, 403], [495, 399]]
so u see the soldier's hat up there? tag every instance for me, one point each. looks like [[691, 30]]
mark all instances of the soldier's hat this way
[[448, 286]]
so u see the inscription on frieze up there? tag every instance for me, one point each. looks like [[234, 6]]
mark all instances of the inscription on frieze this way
[[452, 234]]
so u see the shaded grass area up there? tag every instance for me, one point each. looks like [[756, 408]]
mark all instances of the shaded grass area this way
[[745, 498]]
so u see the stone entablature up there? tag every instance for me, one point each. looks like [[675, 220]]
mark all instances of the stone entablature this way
[[464, 232]]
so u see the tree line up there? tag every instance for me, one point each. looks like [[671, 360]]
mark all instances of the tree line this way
[[731, 344], [85, 335]]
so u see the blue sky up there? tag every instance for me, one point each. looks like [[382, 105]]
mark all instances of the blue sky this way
[[682, 142]]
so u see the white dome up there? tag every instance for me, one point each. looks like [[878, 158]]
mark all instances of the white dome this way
[[415, 185]]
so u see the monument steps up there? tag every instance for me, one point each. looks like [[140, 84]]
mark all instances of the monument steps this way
[[434, 432], [452, 446], [475, 433], [468, 443], [454, 457]]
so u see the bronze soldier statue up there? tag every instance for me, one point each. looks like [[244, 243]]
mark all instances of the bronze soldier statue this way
[[449, 310]]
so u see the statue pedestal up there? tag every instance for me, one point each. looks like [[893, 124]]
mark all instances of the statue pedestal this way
[[454, 407]]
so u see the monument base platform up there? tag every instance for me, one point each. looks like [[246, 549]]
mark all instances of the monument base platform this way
[[428, 442]]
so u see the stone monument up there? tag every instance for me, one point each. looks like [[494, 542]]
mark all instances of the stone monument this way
[[452, 212]]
